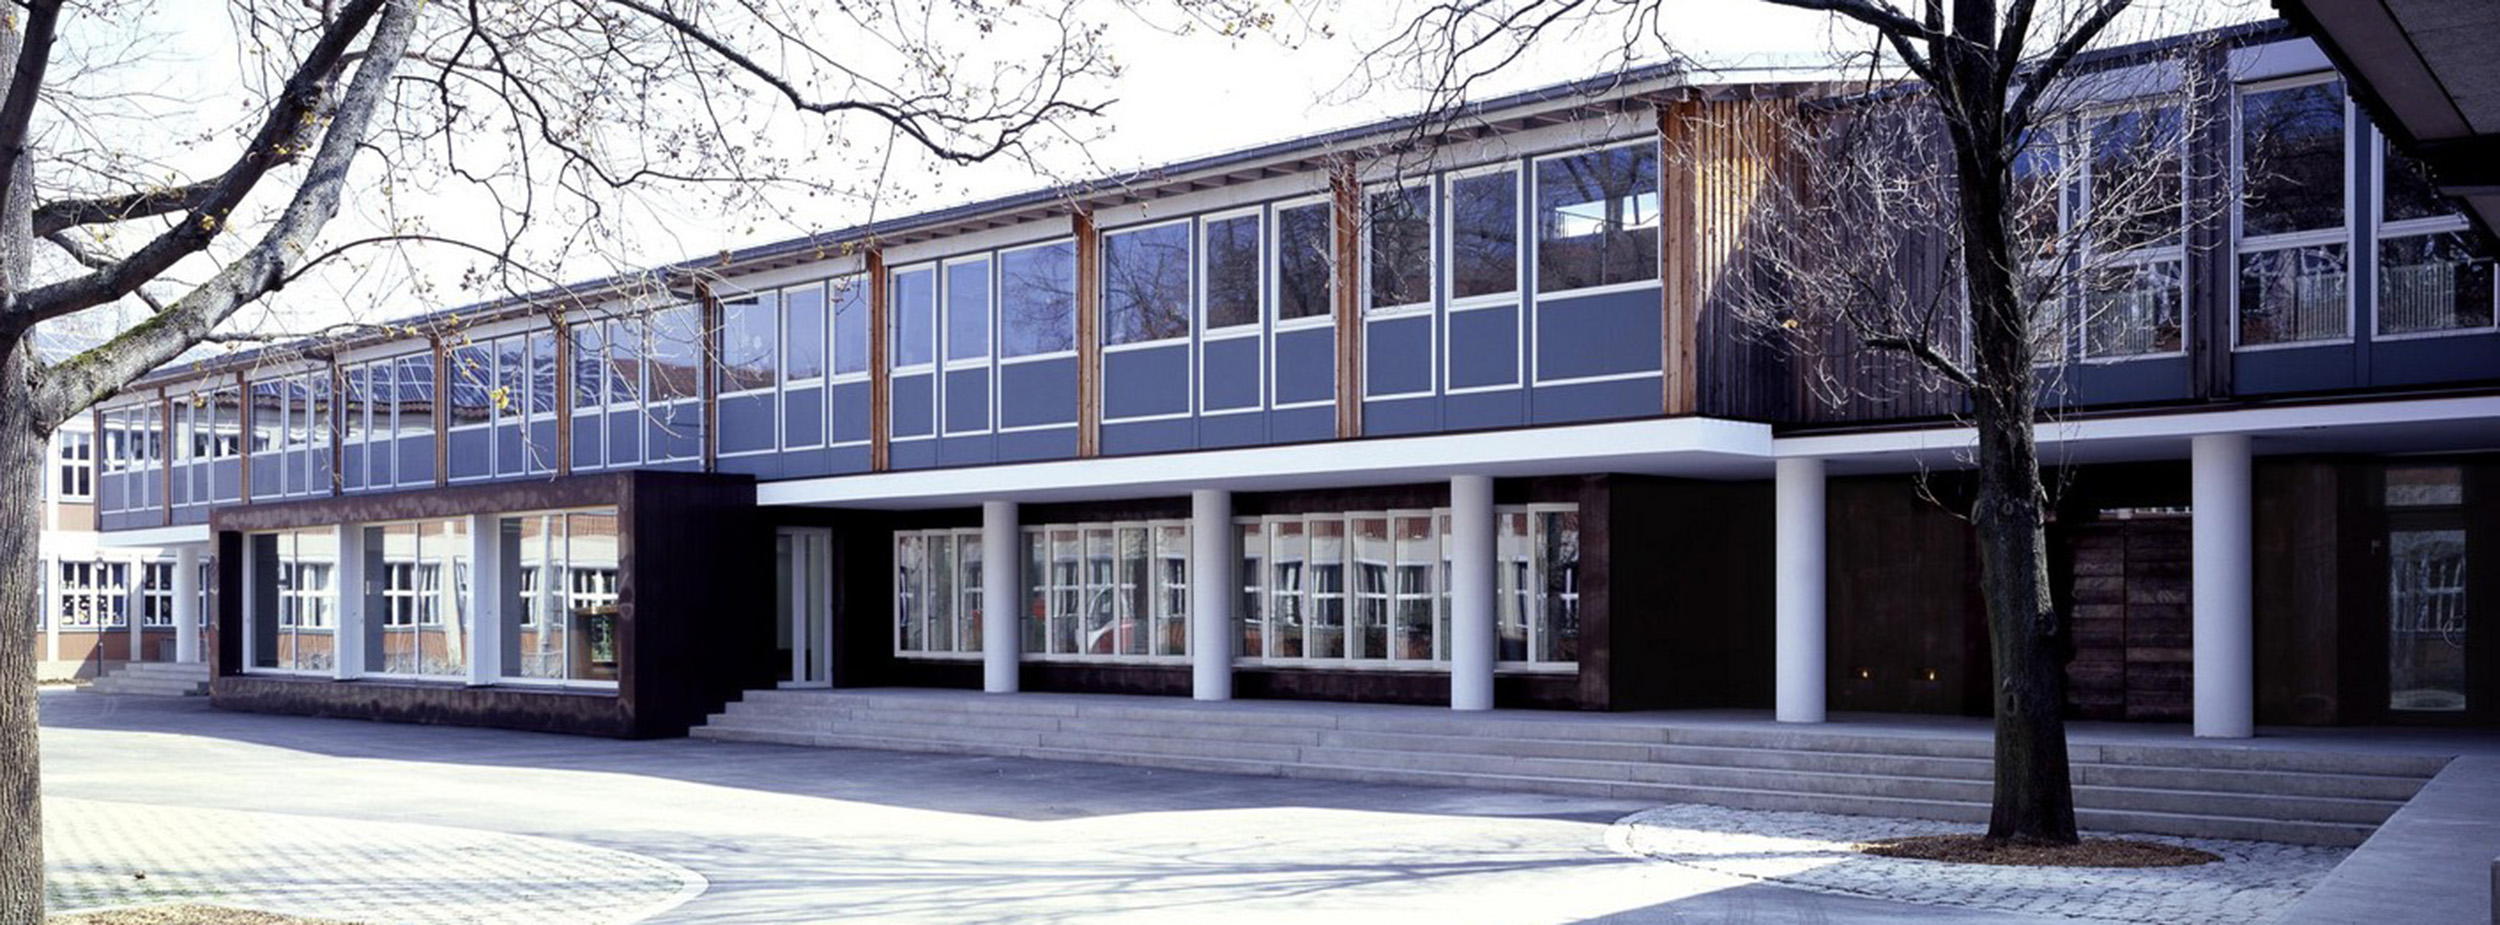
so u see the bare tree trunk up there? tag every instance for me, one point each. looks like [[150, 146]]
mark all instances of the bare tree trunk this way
[[22, 467]]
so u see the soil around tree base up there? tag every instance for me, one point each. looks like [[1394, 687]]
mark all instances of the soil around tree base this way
[[2092, 852], [184, 914]]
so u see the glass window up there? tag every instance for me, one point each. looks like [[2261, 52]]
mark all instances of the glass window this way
[[803, 327], [624, 351], [1067, 584], [1145, 284], [1171, 592], [472, 387], [2433, 282], [560, 614], [291, 600], [2294, 294], [750, 339], [937, 592], [416, 607], [1289, 550], [1303, 257], [1399, 229], [1037, 299], [2426, 620], [1232, 271], [2133, 308], [511, 389], [2425, 486], [75, 480], [850, 326], [968, 309], [590, 356], [676, 353], [1374, 562], [1252, 578], [1484, 235], [542, 374], [2292, 159], [1597, 218], [915, 308], [1414, 586], [1558, 586]]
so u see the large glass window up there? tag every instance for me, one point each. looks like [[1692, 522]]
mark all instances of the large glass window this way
[[2134, 283], [803, 330], [560, 616], [92, 595], [1304, 243], [2434, 274], [937, 592], [1232, 271], [750, 342], [850, 326], [416, 598], [1597, 218], [2293, 270], [968, 309], [1373, 587], [1037, 299], [1106, 589], [1399, 231], [915, 317], [1484, 235], [291, 602], [1145, 284]]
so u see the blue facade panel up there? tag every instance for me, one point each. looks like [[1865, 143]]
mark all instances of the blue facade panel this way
[[2133, 381], [109, 492], [265, 479], [967, 400], [1229, 375], [2454, 358], [225, 477], [1397, 356], [1484, 347], [468, 450], [511, 454], [1396, 416], [1597, 401], [980, 449], [1146, 382], [747, 423], [1483, 410], [761, 465], [913, 454], [1034, 445], [1037, 394], [590, 442], [914, 405], [1302, 425], [1600, 335], [1167, 436], [804, 463], [353, 477], [624, 439], [1306, 366], [849, 459], [318, 471], [542, 446], [1247, 428], [675, 432], [416, 459], [2293, 369], [851, 412], [802, 417]]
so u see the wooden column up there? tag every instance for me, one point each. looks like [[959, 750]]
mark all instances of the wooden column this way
[[1346, 278], [338, 428], [243, 437], [1088, 334], [1680, 290], [566, 383], [165, 458], [440, 406], [707, 371], [880, 364]]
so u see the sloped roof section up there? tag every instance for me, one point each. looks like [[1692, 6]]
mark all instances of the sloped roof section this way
[[2425, 71]]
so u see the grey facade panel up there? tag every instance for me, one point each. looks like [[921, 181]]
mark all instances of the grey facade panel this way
[[589, 442], [1037, 393], [1397, 356], [1146, 381], [511, 453], [264, 478], [1228, 375], [1306, 365], [967, 399], [624, 438], [353, 477], [542, 446], [1599, 335]]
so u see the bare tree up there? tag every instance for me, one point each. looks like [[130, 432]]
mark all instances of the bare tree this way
[[553, 123], [1919, 214]]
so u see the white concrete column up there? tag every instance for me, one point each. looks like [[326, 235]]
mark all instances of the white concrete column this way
[[2224, 625], [1002, 596], [347, 633], [1797, 515], [134, 602], [187, 604], [485, 605], [1212, 585], [1472, 649]]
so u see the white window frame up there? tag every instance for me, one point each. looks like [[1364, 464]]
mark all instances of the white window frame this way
[[783, 384], [987, 360], [1254, 331], [1532, 259], [73, 468], [2079, 147], [998, 310], [2242, 246], [1186, 342], [780, 355], [956, 538], [1277, 324], [2382, 230], [1433, 256]]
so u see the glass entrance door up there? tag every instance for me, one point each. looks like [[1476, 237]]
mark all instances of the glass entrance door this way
[[2428, 669], [803, 602]]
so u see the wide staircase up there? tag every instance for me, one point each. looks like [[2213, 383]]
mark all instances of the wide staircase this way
[[1940, 770], [160, 679]]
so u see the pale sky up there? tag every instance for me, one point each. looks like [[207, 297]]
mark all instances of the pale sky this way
[[1177, 97]]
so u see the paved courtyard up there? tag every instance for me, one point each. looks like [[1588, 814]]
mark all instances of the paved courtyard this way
[[595, 830]]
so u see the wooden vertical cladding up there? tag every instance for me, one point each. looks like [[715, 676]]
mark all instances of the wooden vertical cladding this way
[[243, 436], [2209, 260], [1088, 333], [165, 456], [707, 370], [440, 407], [1679, 289], [880, 363], [338, 425], [1346, 192]]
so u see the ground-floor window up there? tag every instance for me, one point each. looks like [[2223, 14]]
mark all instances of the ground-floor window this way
[[289, 606], [560, 600], [1107, 590], [93, 595], [937, 592], [1374, 586], [407, 599]]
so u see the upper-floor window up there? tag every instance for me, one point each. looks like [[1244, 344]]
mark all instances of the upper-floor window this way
[[1484, 235], [968, 309], [74, 479], [750, 342], [676, 353], [2294, 275], [849, 295], [1232, 270], [1597, 218], [1037, 299], [1398, 229], [915, 317], [803, 333], [1303, 239], [2434, 275], [1145, 284], [2123, 224]]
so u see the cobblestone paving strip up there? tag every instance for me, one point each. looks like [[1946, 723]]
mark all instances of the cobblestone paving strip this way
[[2254, 882], [105, 854]]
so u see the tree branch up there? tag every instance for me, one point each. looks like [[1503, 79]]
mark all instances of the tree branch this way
[[99, 372], [1926, 353], [2018, 116], [17, 110], [69, 213]]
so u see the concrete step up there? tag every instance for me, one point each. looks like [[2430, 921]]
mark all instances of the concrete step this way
[[148, 688]]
